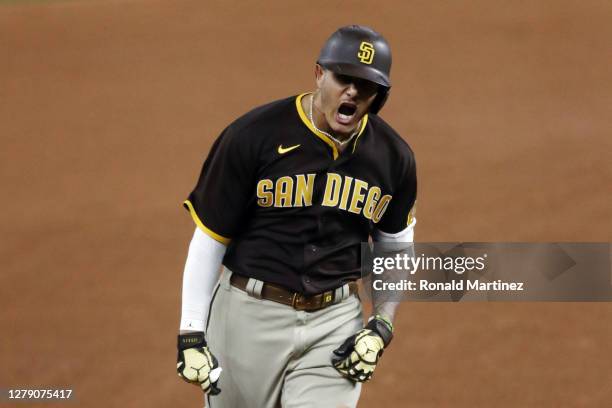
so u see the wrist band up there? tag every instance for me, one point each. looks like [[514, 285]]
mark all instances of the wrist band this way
[[191, 340], [382, 327]]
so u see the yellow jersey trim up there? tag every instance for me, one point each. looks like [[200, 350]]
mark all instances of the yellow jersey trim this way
[[327, 140], [364, 121], [207, 231]]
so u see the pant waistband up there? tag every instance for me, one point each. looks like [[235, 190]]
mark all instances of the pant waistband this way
[[296, 300]]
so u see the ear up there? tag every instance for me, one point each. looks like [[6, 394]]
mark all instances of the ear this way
[[319, 74]]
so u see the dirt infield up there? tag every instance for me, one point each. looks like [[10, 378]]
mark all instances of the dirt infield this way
[[108, 109]]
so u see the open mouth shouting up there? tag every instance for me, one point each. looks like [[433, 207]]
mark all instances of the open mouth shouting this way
[[346, 113]]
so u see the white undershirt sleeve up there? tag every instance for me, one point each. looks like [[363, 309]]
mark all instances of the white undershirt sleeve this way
[[406, 235], [199, 278], [401, 241]]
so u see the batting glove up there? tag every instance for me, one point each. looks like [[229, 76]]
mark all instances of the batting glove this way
[[196, 364], [357, 357]]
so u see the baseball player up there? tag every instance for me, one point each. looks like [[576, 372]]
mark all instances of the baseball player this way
[[286, 196]]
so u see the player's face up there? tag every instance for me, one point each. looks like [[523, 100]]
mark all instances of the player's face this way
[[343, 99]]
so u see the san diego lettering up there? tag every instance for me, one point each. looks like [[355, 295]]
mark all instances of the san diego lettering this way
[[346, 193]]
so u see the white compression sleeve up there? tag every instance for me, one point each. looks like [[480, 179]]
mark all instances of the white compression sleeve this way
[[403, 242], [404, 236], [199, 279]]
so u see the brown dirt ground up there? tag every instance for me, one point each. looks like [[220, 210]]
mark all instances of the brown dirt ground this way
[[108, 109]]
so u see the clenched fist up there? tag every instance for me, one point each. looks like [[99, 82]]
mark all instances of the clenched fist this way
[[196, 364], [357, 357]]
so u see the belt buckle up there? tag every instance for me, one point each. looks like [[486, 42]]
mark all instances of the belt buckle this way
[[328, 297]]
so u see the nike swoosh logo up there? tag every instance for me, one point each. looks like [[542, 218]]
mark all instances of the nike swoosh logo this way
[[283, 150]]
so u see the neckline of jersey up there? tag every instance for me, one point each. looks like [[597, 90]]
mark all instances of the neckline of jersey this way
[[322, 136]]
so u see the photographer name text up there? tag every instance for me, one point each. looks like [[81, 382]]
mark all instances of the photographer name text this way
[[452, 285]]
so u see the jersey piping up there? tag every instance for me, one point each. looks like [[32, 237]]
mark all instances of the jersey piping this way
[[219, 238]]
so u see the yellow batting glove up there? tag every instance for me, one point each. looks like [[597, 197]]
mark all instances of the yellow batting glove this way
[[357, 357], [196, 364]]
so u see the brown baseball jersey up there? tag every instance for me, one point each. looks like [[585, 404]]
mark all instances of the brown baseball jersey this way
[[291, 209]]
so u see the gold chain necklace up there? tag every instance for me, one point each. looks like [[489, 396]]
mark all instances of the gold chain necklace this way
[[327, 134]]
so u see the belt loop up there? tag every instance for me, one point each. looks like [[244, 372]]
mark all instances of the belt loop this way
[[342, 293], [258, 288], [345, 291], [338, 294], [224, 281], [254, 288]]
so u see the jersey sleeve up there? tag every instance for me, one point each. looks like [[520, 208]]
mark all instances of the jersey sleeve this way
[[222, 194], [400, 213]]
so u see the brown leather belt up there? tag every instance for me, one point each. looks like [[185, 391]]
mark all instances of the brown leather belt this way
[[296, 300]]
